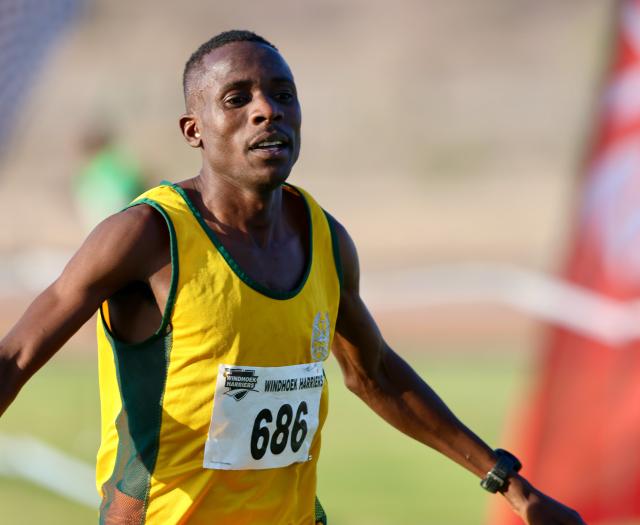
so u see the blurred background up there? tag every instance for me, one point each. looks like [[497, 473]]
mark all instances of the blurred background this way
[[448, 137]]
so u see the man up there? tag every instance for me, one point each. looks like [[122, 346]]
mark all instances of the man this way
[[219, 298]]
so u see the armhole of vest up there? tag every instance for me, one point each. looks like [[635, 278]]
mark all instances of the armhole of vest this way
[[165, 325], [336, 247]]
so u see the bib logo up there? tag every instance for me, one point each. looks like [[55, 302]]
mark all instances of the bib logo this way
[[239, 382], [320, 333]]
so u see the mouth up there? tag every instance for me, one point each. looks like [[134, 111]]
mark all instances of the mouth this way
[[270, 145]]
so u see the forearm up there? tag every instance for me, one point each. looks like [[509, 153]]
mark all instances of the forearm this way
[[23, 351], [10, 375], [35, 338], [403, 399]]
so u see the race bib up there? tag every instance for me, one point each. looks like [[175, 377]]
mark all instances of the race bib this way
[[263, 417]]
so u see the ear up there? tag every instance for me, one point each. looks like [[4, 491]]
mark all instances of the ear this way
[[190, 130]]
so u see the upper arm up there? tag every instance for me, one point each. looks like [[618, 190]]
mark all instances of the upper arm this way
[[120, 250], [358, 344]]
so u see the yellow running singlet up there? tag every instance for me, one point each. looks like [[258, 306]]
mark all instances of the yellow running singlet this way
[[217, 417]]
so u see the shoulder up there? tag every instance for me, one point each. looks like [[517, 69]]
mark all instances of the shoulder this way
[[348, 254], [139, 223], [132, 243], [128, 246]]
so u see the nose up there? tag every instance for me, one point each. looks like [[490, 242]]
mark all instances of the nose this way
[[265, 109]]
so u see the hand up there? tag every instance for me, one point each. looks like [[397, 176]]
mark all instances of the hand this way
[[536, 508]]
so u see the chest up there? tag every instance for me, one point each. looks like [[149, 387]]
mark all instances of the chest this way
[[279, 267]]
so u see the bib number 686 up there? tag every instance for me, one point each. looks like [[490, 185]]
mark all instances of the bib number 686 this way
[[262, 439]]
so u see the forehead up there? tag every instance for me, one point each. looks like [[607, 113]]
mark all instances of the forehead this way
[[243, 62]]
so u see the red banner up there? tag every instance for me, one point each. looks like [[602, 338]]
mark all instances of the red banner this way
[[580, 440]]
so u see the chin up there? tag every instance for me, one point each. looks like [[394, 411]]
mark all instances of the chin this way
[[270, 180]]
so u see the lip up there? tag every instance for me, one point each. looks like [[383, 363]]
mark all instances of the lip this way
[[271, 153], [270, 136]]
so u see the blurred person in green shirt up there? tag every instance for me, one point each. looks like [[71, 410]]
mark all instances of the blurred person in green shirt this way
[[108, 181]]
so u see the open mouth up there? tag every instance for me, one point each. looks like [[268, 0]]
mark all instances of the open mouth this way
[[270, 144], [273, 142]]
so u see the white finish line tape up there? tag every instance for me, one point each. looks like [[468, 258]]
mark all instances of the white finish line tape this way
[[27, 458]]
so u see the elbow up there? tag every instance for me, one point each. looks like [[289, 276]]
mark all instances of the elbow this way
[[353, 384], [367, 382], [361, 385]]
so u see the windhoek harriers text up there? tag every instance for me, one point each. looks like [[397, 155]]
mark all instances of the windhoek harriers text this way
[[296, 383]]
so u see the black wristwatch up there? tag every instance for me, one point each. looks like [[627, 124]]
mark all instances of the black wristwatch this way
[[506, 466]]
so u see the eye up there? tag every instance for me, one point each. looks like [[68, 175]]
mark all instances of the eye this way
[[235, 100], [285, 96]]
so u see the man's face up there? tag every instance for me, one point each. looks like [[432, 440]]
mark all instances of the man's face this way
[[248, 115]]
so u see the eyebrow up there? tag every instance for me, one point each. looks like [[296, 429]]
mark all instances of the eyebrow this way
[[239, 84], [235, 84], [283, 80]]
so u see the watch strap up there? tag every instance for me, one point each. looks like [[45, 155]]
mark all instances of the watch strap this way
[[506, 465]]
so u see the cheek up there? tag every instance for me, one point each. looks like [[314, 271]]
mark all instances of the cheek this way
[[297, 116], [224, 133], [293, 119], [298, 125]]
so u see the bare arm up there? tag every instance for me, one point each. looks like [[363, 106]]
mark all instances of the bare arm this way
[[119, 251], [389, 386]]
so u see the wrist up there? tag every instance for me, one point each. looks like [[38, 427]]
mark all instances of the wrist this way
[[505, 467], [518, 492]]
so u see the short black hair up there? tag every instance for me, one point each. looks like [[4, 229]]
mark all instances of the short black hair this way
[[221, 39]]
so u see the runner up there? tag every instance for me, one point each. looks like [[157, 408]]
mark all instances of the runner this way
[[220, 298]]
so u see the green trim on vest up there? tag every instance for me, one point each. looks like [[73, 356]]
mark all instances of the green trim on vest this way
[[142, 374], [321, 516], [244, 277], [336, 247], [165, 326]]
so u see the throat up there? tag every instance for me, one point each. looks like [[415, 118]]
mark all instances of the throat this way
[[228, 206], [277, 259], [267, 243]]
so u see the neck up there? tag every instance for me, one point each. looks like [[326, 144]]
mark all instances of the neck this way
[[252, 213]]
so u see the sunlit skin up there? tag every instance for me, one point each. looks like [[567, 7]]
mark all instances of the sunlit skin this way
[[246, 95]]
